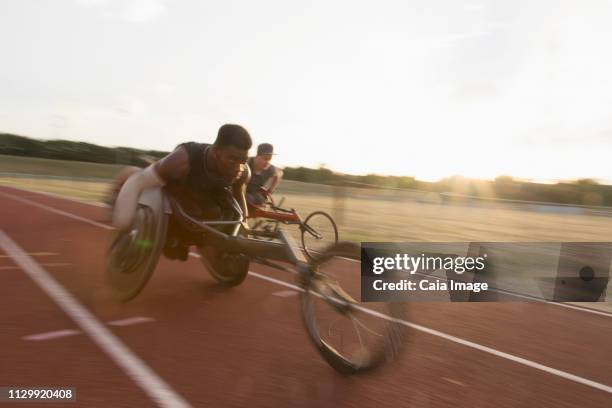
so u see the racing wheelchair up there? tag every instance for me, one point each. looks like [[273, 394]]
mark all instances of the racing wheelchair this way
[[351, 337], [317, 231]]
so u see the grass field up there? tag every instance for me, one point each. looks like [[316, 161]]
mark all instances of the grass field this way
[[362, 215], [82, 190], [62, 168], [364, 219]]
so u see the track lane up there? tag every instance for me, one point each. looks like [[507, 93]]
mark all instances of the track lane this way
[[184, 294], [61, 362]]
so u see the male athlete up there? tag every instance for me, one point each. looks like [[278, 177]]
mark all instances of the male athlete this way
[[265, 177], [202, 177]]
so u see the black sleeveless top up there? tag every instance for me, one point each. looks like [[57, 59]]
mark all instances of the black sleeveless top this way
[[259, 180], [202, 193]]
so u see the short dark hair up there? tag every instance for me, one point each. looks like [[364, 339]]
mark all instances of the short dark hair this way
[[233, 135]]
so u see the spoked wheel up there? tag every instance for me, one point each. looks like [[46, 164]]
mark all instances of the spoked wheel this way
[[227, 269], [351, 337], [319, 231], [133, 254]]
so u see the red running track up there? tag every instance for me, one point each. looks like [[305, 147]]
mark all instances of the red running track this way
[[246, 346]]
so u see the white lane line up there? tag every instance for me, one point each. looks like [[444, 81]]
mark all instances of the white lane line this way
[[516, 359], [531, 298], [528, 297], [63, 333], [285, 293], [450, 380], [158, 390], [56, 211], [461, 341], [130, 321], [51, 335], [457, 339]]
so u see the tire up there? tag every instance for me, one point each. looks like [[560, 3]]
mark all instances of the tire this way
[[133, 255], [371, 344], [323, 224], [227, 269]]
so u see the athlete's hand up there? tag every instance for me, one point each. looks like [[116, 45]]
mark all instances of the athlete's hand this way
[[264, 191]]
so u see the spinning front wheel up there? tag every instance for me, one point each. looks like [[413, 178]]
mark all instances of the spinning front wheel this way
[[351, 337], [134, 253], [319, 232]]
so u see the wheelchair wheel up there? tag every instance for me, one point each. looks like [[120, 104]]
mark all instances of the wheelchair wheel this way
[[351, 337], [319, 232], [133, 254], [227, 269]]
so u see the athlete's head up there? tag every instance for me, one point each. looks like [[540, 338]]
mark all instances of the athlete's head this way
[[231, 149], [264, 155]]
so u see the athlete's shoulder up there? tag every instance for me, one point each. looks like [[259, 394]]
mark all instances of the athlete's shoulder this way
[[175, 166], [193, 147], [275, 171]]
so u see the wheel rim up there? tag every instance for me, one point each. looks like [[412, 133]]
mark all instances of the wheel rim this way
[[131, 254], [319, 232], [349, 338]]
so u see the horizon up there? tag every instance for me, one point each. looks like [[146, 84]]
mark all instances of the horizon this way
[[452, 176]]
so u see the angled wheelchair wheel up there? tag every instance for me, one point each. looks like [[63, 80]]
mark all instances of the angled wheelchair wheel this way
[[227, 269], [319, 232], [352, 337], [133, 254]]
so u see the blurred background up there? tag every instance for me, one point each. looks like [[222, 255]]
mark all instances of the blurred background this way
[[475, 120]]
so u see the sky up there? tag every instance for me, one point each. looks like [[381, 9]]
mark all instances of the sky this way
[[423, 88]]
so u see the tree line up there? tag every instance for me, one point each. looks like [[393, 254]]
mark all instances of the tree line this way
[[78, 151], [582, 192]]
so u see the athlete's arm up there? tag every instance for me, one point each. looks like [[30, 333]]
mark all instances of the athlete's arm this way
[[239, 189], [276, 179], [127, 199], [172, 167]]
